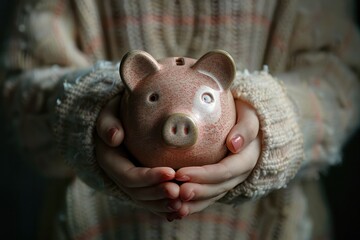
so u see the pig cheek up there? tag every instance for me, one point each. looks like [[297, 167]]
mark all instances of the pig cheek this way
[[142, 121]]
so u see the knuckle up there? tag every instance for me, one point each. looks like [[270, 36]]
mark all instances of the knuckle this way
[[253, 132]]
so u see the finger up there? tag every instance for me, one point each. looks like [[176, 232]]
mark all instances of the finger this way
[[196, 191], [160, 207], [108, 124], [246, 128], [230, 167], [125, 173], [188, 208], [164, 190]]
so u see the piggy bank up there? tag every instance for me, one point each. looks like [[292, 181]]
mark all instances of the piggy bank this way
[[178, 111]]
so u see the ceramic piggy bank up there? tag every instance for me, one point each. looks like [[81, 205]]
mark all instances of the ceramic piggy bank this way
[[177, 111]]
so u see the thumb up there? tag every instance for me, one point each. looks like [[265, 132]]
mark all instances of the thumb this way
[[108, 125], [246, 128]]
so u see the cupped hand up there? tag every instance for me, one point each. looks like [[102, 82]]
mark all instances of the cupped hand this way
[[204, 185], [150, 188]]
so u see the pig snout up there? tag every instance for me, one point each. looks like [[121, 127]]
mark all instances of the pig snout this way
[[180, 131]]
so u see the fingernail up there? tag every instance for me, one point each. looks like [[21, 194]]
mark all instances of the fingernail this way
[[167, 176], [189, 197], [183, 178], [174, 206], [111, 133], [237, 142]]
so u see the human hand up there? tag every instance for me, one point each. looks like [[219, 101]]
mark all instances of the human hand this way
[[150, 188], [204, 185]]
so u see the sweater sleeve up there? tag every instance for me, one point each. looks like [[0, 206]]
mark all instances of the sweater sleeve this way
[[82, 99], [282, 141]]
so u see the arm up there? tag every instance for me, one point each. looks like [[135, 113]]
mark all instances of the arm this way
[[54, 95], [306, 113], [319, 94]]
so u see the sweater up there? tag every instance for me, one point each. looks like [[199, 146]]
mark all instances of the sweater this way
[[297, 66]]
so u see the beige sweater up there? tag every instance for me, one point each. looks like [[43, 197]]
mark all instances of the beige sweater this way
[[307, 103]]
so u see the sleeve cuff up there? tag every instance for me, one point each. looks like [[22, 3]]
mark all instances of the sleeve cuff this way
[[84, 93], [282, 142]]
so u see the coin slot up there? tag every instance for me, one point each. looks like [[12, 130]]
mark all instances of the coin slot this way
[[180, 61]]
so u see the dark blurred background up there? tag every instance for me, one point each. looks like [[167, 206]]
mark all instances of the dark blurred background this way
[[22, 189]]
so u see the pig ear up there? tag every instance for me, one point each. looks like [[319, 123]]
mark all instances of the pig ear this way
[[219, 65], [135, 66]]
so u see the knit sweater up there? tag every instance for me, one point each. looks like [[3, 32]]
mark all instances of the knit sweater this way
[[62, 68]]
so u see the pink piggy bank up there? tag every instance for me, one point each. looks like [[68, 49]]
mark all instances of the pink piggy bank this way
[[177, 112]]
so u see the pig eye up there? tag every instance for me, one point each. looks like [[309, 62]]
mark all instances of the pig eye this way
[[154, 97], [207, 98]]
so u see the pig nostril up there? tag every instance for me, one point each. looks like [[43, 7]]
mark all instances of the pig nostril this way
[[174, 129], [179, 131], [186, 130]]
